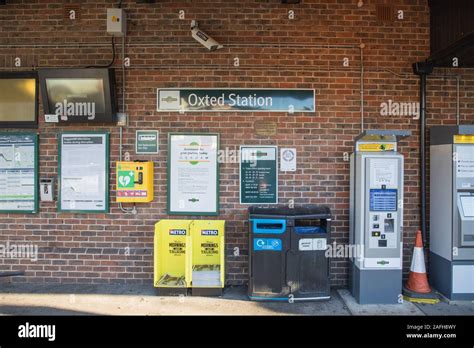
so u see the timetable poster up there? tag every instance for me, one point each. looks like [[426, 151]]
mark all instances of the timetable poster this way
[[258, 175], [193, 179], [19, 172]]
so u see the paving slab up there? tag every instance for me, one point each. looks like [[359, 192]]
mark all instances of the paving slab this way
[[405, 308], [444, 308]]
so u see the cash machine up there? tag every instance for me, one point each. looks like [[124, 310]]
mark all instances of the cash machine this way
[[376, 217], [451, 263]]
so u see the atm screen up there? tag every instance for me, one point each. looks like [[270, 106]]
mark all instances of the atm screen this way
[[467, 203], [383, 200]]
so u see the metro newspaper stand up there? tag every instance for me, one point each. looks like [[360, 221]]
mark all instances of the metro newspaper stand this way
[[189, 254], [207, 260], [376, 217], [172, 257]]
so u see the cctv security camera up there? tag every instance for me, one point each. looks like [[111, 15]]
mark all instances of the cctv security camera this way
[[203, 38]]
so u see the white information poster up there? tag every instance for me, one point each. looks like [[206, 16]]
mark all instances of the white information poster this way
[[84, 172], [18, 172], [383, 172], [193, 181], [465, 161]]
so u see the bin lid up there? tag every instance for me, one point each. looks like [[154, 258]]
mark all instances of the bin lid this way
[[318, 211]]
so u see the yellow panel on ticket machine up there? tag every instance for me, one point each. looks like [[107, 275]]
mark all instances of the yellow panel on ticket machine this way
[[134, 182]]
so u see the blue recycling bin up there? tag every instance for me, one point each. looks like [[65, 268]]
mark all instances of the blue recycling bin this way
[[287, 258]]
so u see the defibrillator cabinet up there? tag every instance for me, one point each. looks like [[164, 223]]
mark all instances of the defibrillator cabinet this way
[[134, 182]]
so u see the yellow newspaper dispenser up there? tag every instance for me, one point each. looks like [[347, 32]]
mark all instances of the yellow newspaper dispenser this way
[[208, 252], [172, 257]]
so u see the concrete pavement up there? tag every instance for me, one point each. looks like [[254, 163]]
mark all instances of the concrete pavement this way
[[126, 299]]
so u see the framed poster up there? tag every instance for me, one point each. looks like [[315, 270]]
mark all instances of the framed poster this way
[[19, 173], [83, 172], [258, 175], [193, 174]]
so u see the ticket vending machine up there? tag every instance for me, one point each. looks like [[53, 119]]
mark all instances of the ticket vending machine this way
[[451, 262], [376, 217]]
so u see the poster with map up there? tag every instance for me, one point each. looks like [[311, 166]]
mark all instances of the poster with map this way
[[19, 172]]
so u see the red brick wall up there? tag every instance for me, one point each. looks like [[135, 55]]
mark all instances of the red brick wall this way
[[307, 52]]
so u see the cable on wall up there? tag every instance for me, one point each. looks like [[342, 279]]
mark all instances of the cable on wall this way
[[111, 62]]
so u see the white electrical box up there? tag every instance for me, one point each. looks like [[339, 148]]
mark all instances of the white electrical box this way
[[116, 21]]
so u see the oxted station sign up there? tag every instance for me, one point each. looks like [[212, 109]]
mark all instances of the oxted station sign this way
[[233, 100]]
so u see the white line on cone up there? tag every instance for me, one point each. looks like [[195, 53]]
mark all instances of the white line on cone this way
[[418, 261]]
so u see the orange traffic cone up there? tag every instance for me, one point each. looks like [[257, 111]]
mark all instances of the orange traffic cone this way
[[417, 288], [417, 279]]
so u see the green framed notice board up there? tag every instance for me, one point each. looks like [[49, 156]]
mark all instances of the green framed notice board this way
[[258, 174], [19, 173], [193, 174], [83, 172]]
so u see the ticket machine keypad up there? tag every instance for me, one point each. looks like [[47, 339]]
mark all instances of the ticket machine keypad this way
[[381, 230]]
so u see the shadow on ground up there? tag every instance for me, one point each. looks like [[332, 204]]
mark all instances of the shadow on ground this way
[[38, 310]]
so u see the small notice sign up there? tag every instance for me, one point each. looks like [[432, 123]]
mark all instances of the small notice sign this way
[[287, 160], [146, 142]]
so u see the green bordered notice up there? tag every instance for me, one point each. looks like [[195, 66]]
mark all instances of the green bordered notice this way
[[193, 174], [146, 142], [258, 175], [18, 172], [83, 172]]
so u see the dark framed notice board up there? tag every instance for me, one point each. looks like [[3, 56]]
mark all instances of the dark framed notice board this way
[[258, 175], [193, 174], [83, 172], [19, 173]]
